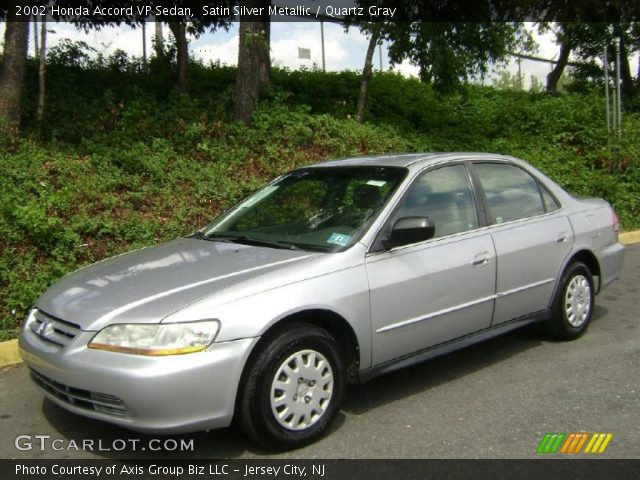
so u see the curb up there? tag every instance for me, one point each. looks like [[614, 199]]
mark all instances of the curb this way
[[629, 238], [9, 353], [9, 350]]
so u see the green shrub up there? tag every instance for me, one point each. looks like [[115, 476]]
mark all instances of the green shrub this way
[[127, 162]]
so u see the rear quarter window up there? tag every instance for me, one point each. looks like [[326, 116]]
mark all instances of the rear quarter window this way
[[550, 203]]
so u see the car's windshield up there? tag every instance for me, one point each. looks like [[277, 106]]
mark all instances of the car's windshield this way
[[323, 209]]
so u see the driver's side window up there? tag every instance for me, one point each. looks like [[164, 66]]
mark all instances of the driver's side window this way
[[444, 196]]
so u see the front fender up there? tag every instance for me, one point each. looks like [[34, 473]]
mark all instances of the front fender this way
[[344, 292]]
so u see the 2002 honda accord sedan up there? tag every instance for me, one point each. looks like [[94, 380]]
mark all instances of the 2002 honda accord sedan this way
[[332, 273]]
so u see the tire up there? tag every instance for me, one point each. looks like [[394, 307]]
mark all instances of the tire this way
[[573, 304], [292, 388]]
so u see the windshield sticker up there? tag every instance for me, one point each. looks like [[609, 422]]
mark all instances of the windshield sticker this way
[[265, 192], [376, 183], [339, 239]]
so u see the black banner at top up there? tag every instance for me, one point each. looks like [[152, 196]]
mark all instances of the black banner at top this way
[[341, 11]]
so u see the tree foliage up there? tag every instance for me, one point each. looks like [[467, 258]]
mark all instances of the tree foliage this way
[[451, 53]]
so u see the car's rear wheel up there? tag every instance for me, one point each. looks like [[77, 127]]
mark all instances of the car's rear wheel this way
[[293, 387], [573, 305]]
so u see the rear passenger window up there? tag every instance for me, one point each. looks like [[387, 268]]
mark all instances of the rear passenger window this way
[[511, 192], [443, 195]]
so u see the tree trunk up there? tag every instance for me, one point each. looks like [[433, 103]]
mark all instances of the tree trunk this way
[[179, 30], [36, 49], [366, 76], [145, 63], [554, 76], [12, 72], [425, 75], [42, 56], [254, 61], [158, 41], [638, 75], [628, 87]]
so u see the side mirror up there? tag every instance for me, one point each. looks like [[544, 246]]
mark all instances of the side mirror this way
[[409, 230]]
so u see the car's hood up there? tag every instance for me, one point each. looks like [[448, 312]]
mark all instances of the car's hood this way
[[149, 284]]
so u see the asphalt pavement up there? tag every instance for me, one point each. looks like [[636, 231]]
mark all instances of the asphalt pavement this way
[[492, 400]]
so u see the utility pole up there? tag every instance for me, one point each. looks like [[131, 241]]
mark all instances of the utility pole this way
[[613, 101], [324, 66], [618, 89], [380, 53], [606, 88], [614, 98]]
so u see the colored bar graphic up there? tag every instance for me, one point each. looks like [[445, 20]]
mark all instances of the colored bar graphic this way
[[550, 443], [572, 443], [568, 443], [598, 443], [590, 444], [581, 442]]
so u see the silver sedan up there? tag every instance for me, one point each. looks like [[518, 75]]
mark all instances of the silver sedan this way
[[330, 274]]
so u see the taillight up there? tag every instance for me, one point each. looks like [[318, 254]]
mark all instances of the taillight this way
[[615, 221]]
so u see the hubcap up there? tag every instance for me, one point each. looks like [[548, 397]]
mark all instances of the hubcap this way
[[577, 300], [301, 390]]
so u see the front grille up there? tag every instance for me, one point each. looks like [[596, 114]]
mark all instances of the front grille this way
[[53, 330], [98, 402]]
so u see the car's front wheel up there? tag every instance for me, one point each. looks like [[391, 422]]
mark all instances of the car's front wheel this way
[[573, 305], [293, 387]]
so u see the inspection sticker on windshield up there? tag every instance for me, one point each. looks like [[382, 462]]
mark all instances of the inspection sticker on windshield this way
[[376, 183], [339, 239]]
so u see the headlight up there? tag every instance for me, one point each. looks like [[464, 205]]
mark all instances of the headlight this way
[[157, 339]]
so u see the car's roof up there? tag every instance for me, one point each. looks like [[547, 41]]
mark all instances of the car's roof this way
[[409, 159]]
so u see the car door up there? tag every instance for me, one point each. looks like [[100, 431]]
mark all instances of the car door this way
[[431, 292], [531, 234]]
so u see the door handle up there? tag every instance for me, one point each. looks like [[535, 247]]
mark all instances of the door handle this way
[[562, 237], [480, 259]]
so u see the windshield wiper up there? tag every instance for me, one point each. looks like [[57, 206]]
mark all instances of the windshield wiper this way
[[197, 234], [213, 237], [310, 246], [248, 240]]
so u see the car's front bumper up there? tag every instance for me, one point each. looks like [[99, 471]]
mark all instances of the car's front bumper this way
[[172, 394]]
